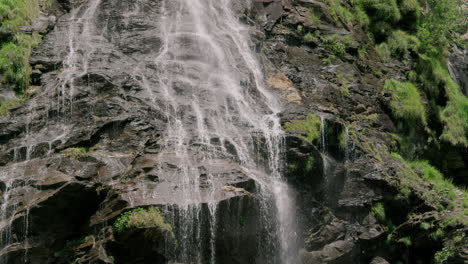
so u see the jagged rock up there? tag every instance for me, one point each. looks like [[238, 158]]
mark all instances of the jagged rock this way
[[340, 251]]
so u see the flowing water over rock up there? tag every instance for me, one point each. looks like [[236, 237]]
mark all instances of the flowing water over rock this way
[[191, 63]]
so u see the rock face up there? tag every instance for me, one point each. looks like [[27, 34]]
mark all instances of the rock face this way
[[173, 104]]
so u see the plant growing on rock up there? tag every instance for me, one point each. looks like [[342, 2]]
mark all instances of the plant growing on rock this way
[[310, 128], [76, 152], [141, 218], [406, 103]]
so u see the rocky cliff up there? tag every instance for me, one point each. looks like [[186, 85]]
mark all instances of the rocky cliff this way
[[94, 160]]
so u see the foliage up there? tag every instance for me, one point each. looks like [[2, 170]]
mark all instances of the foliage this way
[[9, 103], [442, 186], [14, 61], [385, 10], [344, 80], [383, 51], [310, 127], [16, 50], [401, 43], [406, 102], [454, 115], [309, 37], [339, 12], [335, 45], [141, 218], [15, 13], [314, 17], [436, 26], [300, 28], [76, 153], [443, 255], [378, 210], [405, 240]]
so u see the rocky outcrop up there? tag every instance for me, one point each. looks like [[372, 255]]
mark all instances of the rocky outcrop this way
[[86, 147]]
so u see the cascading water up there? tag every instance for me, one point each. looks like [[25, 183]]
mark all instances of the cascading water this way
[[211, 88], [220, 117]]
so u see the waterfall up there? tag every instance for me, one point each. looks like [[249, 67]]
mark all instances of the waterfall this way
[[207, 82], [210, 86], [211, 89]]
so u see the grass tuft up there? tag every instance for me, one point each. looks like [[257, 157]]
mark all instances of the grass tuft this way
[[141, 218], [310, 128], [406, 104]]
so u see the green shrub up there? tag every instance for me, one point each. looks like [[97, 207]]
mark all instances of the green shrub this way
[[405, 240], [406, 102], [76, 153], [300, 28], [335, 45], [361, 16], [339, 13], [378, 210], [141, 218], [309, 37], [15, 13], [14, 61], [15, 52], [310, 127], [384, 10], [425, 226], [443, 255]]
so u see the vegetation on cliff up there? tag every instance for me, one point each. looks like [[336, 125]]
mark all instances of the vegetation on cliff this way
[[141, 218], [16, 46], [419, 34]]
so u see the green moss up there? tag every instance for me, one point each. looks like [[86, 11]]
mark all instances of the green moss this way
[[10, 103], [310, 128], [342, 140], [406, 103], [141, 218], [309, 165], [76, 153], [404, 192]]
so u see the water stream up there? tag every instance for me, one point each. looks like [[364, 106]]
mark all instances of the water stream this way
[[211, 89], [220, 117]]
